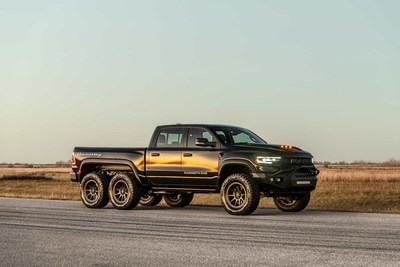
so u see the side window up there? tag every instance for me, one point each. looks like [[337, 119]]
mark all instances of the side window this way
[[170, 137], [195, 133], [242, 138]]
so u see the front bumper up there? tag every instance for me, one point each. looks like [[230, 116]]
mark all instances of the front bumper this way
[[289, 180]]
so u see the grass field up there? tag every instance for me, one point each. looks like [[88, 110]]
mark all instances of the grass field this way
[[342, 188]]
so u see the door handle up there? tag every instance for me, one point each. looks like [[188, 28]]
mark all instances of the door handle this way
[[187, 154], [155, 154]]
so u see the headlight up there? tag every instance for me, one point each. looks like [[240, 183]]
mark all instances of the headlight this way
[[268, 160]]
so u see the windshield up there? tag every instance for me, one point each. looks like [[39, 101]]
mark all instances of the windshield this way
[[235, 135]]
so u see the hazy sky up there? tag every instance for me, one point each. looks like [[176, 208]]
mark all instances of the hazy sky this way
[[322, 75]]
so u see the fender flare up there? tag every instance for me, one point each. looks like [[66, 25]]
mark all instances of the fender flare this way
[[237, 161], [142, 180]]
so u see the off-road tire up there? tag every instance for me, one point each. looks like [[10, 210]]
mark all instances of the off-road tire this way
[[240, 194], [293, 203], [150, 200], [124, 191], [178, 200], [94, 190]]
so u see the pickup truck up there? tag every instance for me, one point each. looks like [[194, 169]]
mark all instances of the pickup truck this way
[[185, 159]]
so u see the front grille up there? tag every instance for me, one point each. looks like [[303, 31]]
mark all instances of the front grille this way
[[300, 161], [304, 175]]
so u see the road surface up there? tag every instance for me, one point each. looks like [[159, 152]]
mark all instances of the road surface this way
[[65, 233]]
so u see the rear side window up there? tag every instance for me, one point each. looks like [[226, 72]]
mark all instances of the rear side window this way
[[170, 137]]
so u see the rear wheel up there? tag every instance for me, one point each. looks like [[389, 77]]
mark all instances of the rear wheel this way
[[240, 194], [150, 200], [94, 187], [124, 191], [178, 200], [293, 203]]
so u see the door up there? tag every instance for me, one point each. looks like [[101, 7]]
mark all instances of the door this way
[[200, 164], [164, 159]]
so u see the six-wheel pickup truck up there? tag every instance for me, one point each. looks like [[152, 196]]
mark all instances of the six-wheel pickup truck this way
[[185, 159]]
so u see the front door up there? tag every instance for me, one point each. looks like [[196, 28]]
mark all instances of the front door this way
[[200, 164]]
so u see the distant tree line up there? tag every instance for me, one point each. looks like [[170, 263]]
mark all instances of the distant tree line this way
[[60, 163], [388, 163]]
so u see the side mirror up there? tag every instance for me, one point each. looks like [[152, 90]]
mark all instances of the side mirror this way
[[204, 142]]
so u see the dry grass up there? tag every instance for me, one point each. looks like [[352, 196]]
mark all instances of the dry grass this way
[[364, 189], [52, 173], [367, 189], [46, 183]]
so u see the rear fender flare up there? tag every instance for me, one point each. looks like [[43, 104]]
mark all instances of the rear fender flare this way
[[142, 180]]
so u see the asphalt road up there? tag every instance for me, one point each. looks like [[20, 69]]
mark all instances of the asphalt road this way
[[65, 233]]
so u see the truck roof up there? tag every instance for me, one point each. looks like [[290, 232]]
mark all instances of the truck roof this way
[[197, 125]]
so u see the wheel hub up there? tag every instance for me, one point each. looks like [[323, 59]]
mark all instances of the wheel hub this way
[[237, 195]]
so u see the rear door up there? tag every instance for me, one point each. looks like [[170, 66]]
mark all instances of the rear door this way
[[164, 158]]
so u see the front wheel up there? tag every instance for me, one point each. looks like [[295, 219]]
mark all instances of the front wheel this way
[[240, 194], [178, 200], [293, 203], [124, 191]]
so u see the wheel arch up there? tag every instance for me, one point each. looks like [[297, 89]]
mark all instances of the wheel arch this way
[[234, 166]]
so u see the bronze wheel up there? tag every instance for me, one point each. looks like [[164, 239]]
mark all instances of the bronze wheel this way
[[94, 188], [150, 200], [124, 191], [178, 200], [240, 194], [293, 203]]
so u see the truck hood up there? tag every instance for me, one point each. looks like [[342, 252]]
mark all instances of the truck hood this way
[[274, 149]]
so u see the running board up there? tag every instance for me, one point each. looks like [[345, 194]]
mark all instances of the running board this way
[[163, 190]]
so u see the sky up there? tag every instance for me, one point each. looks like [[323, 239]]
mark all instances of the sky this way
[[321, 75]]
